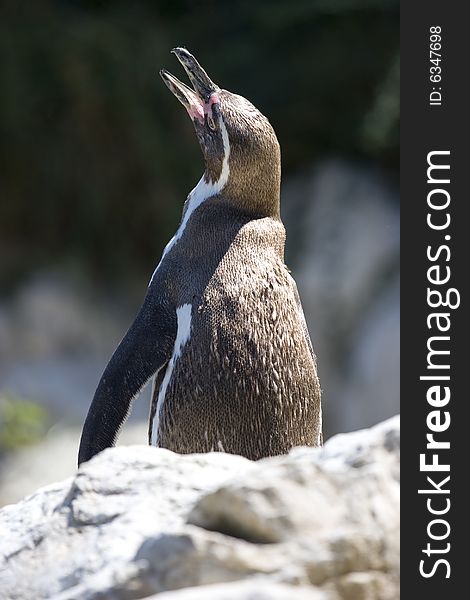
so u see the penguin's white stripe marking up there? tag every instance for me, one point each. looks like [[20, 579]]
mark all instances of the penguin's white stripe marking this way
[[183, 315], [200, 193]]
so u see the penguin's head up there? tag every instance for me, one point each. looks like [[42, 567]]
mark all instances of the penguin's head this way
[[239, 145]]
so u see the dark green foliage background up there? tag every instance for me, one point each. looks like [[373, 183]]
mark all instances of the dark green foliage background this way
[[96, 156]]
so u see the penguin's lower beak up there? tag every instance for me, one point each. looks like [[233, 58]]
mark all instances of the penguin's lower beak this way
[[188, 98], [193, 100]]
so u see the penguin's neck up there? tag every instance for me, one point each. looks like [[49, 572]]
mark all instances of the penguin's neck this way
[[252, 186], [253, 189], [259, 196], [256, 192], [253, 183], [207, 187]]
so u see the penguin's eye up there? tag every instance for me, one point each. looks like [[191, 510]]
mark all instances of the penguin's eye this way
[[211, 122]]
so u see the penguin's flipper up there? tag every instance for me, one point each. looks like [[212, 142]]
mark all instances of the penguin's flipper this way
[[144, 350]]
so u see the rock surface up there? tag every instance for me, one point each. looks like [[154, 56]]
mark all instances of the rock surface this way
[[253, 589], [318, 524]]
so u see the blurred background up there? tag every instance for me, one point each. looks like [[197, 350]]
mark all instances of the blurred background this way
[[97, 157]]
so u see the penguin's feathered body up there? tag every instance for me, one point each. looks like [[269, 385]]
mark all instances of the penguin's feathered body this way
[[221, 329]]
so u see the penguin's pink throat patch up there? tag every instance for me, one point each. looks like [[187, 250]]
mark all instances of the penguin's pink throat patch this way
[[198, 109]]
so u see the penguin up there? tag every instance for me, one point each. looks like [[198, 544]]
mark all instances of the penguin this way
[[221, 330]]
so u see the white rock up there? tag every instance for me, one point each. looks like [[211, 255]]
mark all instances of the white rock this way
[[254, 589], [136, 521]]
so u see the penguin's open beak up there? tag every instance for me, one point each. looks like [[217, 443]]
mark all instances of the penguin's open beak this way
[[193, 100]]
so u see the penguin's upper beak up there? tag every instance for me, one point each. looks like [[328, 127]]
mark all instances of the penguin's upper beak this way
[[193, 100]]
